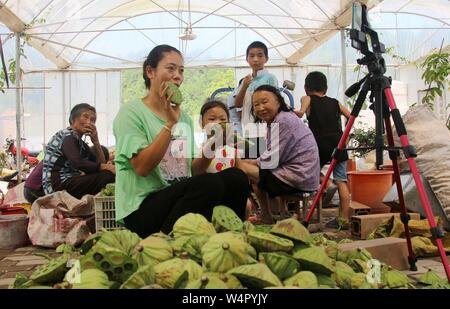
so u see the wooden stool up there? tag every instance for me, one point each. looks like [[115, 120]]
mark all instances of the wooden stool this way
[[302, 209]]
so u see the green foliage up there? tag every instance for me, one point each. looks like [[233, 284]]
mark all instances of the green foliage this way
[[132, 85], [352, 100], [197, 87], [436, 70], [25, 39], [363, 136], [391, 51]]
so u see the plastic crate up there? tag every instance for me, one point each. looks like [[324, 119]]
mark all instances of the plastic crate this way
[[105, 213]]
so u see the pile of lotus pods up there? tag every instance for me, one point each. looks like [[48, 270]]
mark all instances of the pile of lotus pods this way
[[225, 253]]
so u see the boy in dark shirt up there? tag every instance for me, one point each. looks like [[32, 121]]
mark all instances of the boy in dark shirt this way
[[324, 117]]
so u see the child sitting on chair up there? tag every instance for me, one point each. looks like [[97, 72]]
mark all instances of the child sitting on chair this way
[[290, 163], [212, 114]]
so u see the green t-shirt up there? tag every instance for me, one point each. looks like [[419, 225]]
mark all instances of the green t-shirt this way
[[135, 127]]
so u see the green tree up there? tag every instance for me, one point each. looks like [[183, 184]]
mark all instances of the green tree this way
[[197, 87]]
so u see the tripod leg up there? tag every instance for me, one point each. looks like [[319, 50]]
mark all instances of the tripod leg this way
[[404, 216], [410, 154]]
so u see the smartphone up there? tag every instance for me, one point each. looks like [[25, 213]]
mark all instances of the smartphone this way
[[357, 16]]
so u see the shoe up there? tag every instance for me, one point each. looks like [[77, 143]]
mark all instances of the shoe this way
[[332, 224], [338, 223], [329, 196]]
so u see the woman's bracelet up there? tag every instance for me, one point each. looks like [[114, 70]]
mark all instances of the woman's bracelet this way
[[168, 129]]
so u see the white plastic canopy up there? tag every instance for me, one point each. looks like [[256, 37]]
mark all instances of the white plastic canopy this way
[[80, 34]]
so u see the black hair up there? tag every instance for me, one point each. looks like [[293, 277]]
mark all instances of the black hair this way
[[316, 81], [154, 57], [283, 106], [78, 109], [211, 103], [258, 44]]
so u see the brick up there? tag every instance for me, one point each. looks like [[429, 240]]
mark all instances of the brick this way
[[362, 226], [390, 250], [358, 209]]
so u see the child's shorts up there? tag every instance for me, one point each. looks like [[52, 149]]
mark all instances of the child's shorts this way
[[340, 171], [274, 186]]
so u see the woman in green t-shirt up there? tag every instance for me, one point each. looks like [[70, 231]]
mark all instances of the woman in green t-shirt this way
[[158, 179]]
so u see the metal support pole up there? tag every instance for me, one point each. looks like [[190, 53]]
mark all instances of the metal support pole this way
[[18, 111], [343, 67]]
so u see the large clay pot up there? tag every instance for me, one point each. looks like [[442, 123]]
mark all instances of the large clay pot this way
[[370, 187], [351, 165]]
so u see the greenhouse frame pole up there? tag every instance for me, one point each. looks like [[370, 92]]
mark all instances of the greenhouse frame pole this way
[[18, 112], [343, 67]]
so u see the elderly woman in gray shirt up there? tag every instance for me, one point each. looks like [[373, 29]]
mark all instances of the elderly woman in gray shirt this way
[[291, 162]]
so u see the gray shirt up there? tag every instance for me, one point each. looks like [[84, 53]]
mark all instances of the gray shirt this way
[[292, 154]]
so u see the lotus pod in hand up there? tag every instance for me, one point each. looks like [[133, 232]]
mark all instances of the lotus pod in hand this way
[[265, 242], [152, 250], [51, 272], [291, 229], [225, 219], [207, 282], [144, 276], [224, 251], [304, 280], [314, 259], [177, 97], [123, 240], [192, 224], [92, 279], [255, 276], [280, 263]]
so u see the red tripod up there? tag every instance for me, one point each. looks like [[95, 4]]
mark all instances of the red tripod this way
[[380, 88]]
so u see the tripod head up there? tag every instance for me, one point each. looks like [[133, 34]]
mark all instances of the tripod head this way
[[366, 40]]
